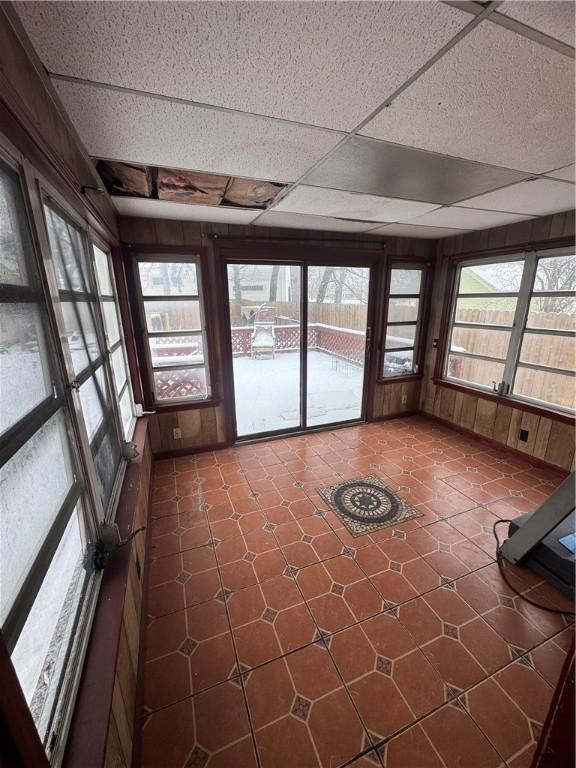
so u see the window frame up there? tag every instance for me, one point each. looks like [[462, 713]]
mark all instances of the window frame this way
[[78, 495], [424, 266], [505, 394], [197, 256], [83, 495]]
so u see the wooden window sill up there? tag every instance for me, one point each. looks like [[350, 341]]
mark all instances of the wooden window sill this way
[[399, 379]]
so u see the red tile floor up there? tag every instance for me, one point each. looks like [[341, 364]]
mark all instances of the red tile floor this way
[[275, 638]]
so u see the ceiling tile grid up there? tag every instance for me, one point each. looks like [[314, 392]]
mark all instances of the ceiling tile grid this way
[[290, 220], [377, 167], [551, 17], [325, 63], [141, 129], [413, 230], [495, 97], [274, 91], [536, 197], [467, 218], [349, 205], [163, 209]]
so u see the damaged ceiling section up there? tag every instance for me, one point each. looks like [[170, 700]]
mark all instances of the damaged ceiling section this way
[[189, 187]]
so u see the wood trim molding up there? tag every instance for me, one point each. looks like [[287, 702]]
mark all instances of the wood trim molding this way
[[178, 452]]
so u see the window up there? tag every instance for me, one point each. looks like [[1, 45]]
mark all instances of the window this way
[[85, 344], [65, 405], [403, 321], [513, 326], [115, 342], [46, 590], [172, 317]]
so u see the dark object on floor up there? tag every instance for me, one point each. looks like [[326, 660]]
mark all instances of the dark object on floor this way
[[550, 559], [366, 504], [534, 538]]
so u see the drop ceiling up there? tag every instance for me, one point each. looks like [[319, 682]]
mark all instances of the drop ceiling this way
[[417, 119]]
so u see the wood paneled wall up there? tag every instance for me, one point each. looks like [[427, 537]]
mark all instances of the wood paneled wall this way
[[26, 93], [548, 439], [123, 714], [206, 426]]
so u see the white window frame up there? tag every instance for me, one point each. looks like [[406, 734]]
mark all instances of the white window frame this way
[[421, 297], [518, 329], [168, 258]]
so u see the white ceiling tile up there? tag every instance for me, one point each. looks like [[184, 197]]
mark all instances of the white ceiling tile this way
[[350, 205], [567, 173], [141, 129], [161, 209], [302, 221], [467, 218], [537, 197], [411, 230], [496, 97], [551, 17], [324, 63]]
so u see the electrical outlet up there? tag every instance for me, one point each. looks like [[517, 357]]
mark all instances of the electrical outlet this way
[[404, 399], [177, 433], [523, 436]]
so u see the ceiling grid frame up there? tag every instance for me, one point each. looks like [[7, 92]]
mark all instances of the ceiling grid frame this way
[[480, 14]]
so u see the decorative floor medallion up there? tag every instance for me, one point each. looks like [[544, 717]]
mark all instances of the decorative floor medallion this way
[[366, 504]]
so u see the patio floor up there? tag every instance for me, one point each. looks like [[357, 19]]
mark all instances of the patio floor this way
[[268, 391]]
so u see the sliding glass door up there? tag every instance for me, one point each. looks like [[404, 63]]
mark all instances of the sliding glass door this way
[[285, 380], [265, 328], [337, 323]]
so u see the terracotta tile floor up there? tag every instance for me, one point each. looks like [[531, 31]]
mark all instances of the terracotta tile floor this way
[[277, 639]]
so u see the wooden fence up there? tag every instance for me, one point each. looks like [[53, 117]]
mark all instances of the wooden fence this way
[[551, 351]]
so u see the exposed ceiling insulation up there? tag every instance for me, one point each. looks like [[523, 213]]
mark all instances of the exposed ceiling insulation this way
[[419, 119], [189, 187]]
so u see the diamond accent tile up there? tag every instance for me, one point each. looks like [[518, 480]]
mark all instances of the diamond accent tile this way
[[451, 692], [506, 601], [254, 495], [290, 571], [198, 758], [205, 507], [301, 708], [215, 542], [383, 665], [178, 498], [393, 611], [526, 660], [398, 535], [269, 615], [223, 595], [516, 653], [337, 589], [226, 487], [284, 503], [298, 484], [179, 531], [188, 646], [306, 538], [349, 552], [447, 583], [461, 702], [183, 577], [450, 631], [444, 547], [270, 527], [319, 512], [250, 557], [235, 516], [395, 566]]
